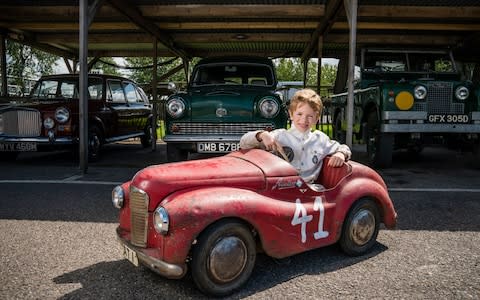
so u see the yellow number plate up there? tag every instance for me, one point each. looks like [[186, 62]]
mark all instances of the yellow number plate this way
[[130, 255]]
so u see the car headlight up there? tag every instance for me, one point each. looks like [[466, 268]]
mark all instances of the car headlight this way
[[161, 221], [176, 107], [48, 123], [118, 197], [268, 107], [420, 92], [62, 114], [462, 93]]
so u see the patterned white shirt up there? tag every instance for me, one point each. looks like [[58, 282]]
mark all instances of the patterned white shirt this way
[[308, 148]]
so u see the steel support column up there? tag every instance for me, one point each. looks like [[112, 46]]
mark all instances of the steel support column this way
[[154, 94], [351, 10], [3, 58], [83, 86]]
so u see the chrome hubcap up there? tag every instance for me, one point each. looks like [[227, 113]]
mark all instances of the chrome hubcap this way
[[227, 259], [363, 227]]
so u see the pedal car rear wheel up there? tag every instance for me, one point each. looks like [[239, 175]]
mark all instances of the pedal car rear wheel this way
[[360, 229], [223, 258]]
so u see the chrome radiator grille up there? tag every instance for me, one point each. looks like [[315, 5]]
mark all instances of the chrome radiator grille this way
[[218, 128], [138, 216], [21, 122], [440, 100]]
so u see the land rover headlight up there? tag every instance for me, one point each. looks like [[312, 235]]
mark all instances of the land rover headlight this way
[[118, 197], [176, 107], [62, 114], [161, 221], [420, 92], [462, 93], [268, 107], [48, 123]]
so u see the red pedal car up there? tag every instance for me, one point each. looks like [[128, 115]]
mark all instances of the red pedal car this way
[[213, 215]]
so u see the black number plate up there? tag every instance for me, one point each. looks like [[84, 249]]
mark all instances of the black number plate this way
[[18, 147], [215, 147], [448, 118]]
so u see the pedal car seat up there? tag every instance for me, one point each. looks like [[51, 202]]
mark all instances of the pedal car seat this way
[[329, 177]]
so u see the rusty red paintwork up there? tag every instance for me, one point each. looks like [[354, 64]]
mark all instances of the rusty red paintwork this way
[[256, 187]]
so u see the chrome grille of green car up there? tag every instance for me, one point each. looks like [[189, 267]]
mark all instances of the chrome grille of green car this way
[[138, 216], [440, 100], [21, 123], [218, 128]]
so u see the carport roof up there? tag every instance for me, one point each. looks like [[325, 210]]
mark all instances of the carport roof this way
[[273, 28]]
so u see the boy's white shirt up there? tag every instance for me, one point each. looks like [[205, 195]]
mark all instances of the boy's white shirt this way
[[309, 149]]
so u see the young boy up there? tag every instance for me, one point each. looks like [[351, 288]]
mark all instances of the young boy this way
[[308, 148]]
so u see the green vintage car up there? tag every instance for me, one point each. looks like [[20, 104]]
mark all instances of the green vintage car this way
[[409, 98], [225, 97]]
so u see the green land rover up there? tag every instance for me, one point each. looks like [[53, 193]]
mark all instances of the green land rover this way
[[407, 99], [225, 97]]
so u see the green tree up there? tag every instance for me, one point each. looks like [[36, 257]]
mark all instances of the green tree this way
[[107, 65], [25, 62], [141, 69], [291, 69]]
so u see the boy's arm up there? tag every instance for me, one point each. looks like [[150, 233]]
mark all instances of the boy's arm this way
[[249, 140]]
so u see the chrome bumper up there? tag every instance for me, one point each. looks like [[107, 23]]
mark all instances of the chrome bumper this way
[[40, 140], [201, 138], [165, 269]]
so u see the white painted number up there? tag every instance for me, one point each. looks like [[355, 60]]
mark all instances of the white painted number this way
[[318, 206], [300, 217]]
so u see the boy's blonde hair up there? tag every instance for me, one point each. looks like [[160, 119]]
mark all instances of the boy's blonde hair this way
[[308, 96]]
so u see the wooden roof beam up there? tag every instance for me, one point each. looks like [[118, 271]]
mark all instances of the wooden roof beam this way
[[136, 17], [332, 10]]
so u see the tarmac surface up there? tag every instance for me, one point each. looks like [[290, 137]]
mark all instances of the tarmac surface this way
[[57, 228]]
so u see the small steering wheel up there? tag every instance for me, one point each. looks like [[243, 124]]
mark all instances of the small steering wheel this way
[[286, 153]]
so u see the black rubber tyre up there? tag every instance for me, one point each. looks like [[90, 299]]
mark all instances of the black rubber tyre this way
[[476, 155], [360, 228], [338, 134], [223, 258], [147, 138], [379, 145], [8, 156], [174, 153], [94, 143]]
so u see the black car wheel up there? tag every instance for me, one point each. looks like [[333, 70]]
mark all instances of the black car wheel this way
[[223, 258], [94, 143], [476, 154], [338, 134], [379, 145], [175, 153], [147, 138], [7, 156], [360, 229]]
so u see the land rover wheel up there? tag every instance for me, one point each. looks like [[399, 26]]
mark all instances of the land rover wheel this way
[[175, 153], [147, 138], [338, 134], [379, 145], [360, 229], [223, 258], [94, 143], [476, 154]]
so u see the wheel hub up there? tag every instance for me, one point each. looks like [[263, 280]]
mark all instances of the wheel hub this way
[[227, 259], [363, 227]]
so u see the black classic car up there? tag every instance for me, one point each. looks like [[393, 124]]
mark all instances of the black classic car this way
[[118, 109]]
